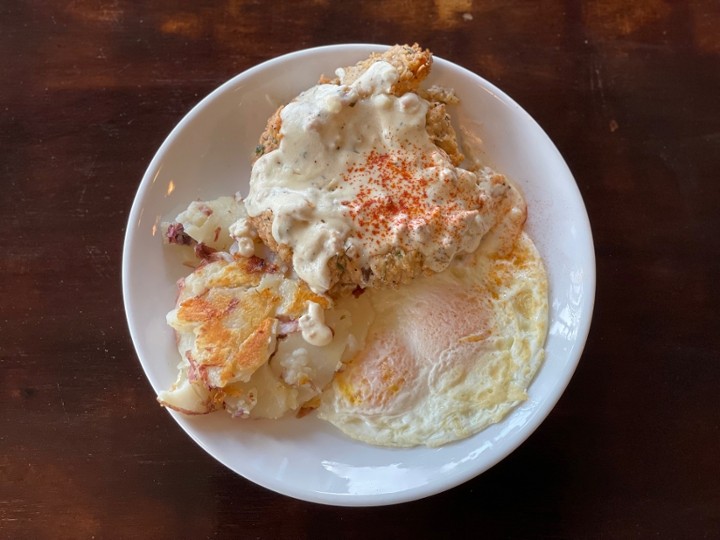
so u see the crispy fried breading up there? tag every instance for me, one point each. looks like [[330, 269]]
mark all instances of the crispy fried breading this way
[[270, 137], [398, 265], [441, 131], [413, 65]]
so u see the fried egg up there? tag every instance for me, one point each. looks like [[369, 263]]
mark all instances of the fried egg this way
[[447, 354]]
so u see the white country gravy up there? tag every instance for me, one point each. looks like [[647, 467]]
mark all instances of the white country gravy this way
[[357, 173]]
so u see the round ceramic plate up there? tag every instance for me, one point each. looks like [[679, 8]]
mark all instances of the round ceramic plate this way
[[208, 154]]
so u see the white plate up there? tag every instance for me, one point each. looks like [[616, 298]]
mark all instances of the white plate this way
[[208, 155]]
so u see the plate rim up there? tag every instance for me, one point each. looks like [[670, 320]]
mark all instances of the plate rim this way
[[415, 493]]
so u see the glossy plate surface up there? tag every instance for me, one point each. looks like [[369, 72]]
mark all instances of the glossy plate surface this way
[[208, 155]]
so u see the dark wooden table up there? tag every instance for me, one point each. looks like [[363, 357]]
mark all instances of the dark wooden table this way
[[629, 92]]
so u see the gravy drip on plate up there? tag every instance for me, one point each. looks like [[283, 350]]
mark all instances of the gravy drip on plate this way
[[356, 173]]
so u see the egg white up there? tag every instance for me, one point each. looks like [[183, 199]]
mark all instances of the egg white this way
[[447, 354]]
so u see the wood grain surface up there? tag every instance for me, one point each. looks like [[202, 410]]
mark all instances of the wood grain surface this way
[[628, 91]]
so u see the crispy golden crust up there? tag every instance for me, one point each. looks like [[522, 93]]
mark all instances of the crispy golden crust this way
[[411, 61], [232, 319], [389, 270], [263, 225], [438, 126], [398, 265], [413, 65], [270, 137], [232, 333], [441, 131], [252, 353]]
